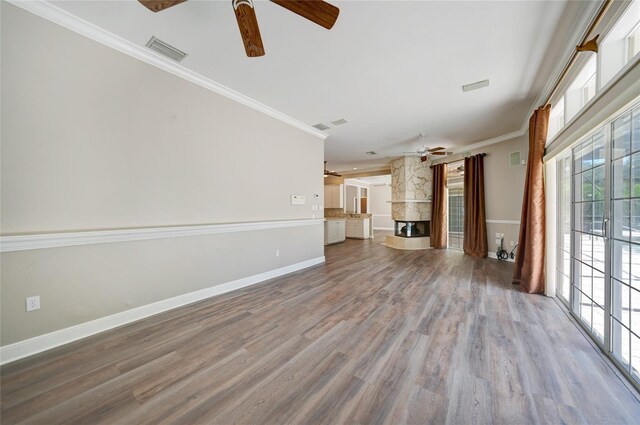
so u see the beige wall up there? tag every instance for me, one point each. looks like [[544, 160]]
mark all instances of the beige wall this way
[[504, 187], [94, 139], [380, 208]]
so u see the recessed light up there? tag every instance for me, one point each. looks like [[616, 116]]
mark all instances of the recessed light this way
[[475, 86], [355, 168]]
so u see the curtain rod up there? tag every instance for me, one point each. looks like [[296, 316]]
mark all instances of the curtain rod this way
[[457, 160], [565, 71]]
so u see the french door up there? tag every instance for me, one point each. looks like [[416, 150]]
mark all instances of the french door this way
[[604, 293]]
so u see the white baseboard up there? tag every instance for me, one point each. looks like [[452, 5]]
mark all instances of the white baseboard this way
[[31, 346], [493, 255]]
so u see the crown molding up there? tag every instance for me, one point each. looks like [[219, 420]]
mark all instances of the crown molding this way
[[488, 142], [52, 13], [577, 35]]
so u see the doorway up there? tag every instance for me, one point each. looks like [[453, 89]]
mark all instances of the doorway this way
[[455, 204], [604, 275]]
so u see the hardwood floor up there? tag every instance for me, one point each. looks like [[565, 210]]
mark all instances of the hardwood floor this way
[[373, 336]]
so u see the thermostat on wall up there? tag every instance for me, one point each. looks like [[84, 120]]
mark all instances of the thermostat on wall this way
[[297, 199]]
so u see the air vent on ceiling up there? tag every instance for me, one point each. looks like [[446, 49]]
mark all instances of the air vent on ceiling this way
[[475, 86], [372, 153], [339, 122], [165, 49], [321, 126]]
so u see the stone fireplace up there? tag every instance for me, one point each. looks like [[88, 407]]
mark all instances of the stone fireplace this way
[[411, 203]]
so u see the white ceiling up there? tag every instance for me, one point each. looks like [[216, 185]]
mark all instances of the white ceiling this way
[[394, 69]]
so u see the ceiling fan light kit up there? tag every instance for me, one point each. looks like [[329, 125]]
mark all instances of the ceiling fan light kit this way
[[317, 11]]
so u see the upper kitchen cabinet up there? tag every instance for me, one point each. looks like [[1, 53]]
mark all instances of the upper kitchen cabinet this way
[[334, 196]]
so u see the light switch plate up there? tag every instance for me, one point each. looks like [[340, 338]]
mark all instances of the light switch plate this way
[[297, 200]]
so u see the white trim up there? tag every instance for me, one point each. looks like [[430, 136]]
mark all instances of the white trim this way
[[493, 255], [487, 142], [57, 240], [381, 215], [516, 222], [63, 18], [410, 201], [28, 347]]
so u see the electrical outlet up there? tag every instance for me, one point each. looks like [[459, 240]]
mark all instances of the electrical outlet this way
[[513, 243], [33, 303], [497, 242], [497, 235], [277, 252]]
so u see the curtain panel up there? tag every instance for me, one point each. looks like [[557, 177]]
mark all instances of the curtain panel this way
[[438, 226], [475, 220], [529, 267]]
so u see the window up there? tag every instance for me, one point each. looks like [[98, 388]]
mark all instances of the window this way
[[633, 42], [621, 44], [556, 118], [581, 90]]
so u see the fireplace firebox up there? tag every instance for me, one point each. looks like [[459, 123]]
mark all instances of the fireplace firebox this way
[[412, 229]]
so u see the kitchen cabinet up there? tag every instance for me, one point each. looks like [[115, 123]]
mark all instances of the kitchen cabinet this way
[[334, 231], [334, 196], [358, 228]]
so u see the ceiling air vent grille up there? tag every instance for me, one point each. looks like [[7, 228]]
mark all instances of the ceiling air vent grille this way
[[339, 122], [475, 86], [321, 127], [166, 49]]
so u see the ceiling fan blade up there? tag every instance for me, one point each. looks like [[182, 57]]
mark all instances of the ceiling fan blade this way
[[318, 11], [439, 148], [249, 29], [159, 5], [440, 153]]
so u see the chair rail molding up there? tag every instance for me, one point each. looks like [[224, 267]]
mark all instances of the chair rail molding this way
[[515, 222], [58, 240]]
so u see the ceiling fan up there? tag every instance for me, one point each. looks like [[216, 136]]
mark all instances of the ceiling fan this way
[[328, 173], [424, 152], [317, 11]]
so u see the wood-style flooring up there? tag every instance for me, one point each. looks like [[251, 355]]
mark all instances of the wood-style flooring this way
[[374, 336]]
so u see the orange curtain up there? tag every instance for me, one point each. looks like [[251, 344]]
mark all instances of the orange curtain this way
[[438, 227], [529, 268], [475, 222]]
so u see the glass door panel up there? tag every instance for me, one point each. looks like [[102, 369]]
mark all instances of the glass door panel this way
[[625, 246], [589, 243], [598, 267], [563, 264]]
